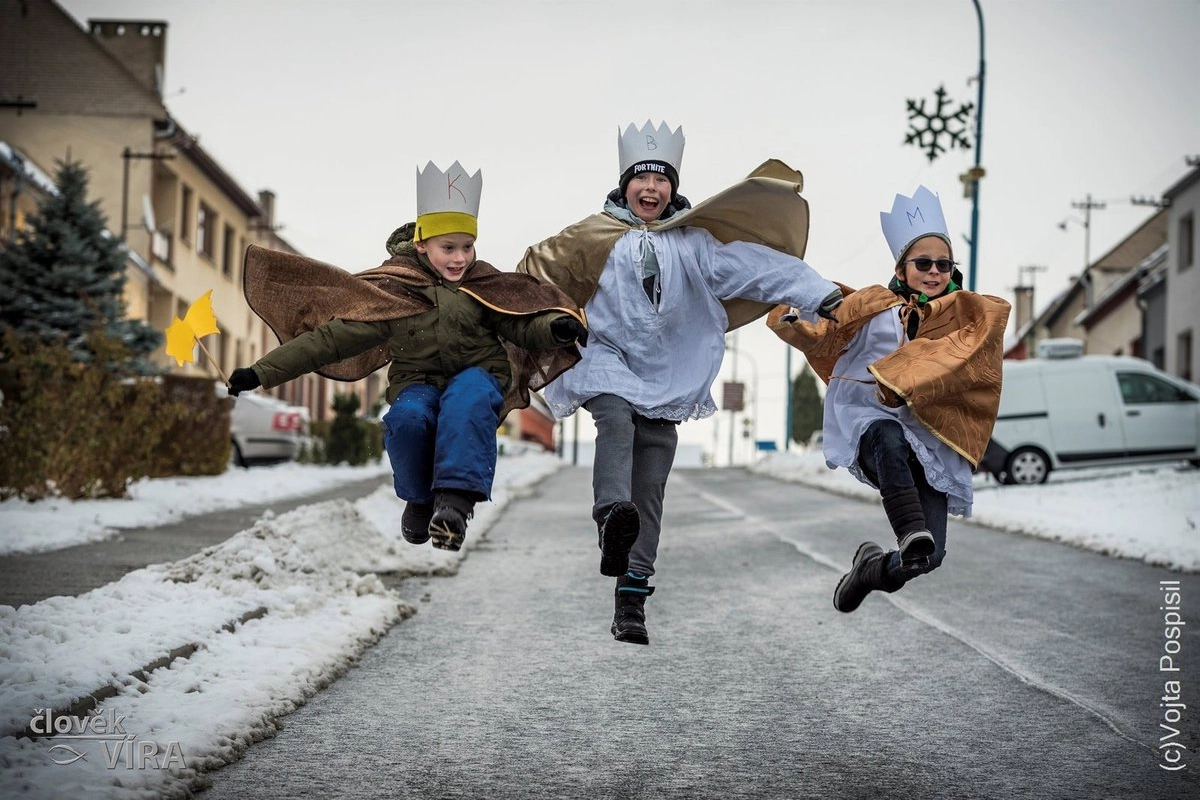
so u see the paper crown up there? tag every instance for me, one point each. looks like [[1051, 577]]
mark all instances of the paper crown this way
[[447, 202], [912, 218], [650, 144]]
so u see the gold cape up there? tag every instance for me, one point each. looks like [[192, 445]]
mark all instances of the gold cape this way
[[766, 208], [949, 375]]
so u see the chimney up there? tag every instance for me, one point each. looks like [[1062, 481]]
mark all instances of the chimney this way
[[140, 46], [266, 199], [1024, 306]]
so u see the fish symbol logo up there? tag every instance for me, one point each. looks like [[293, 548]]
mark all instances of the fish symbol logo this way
[[77, 755]]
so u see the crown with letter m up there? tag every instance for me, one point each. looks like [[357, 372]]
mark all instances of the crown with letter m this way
[[911, 218]]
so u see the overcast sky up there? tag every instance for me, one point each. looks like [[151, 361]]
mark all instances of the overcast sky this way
[[333, 105]]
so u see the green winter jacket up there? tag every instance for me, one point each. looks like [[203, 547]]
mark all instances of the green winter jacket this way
[[458, 331]]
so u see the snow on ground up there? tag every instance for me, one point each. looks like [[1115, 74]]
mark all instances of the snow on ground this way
[[255, 626], [57, 523], [1150, 513], [252, 628]]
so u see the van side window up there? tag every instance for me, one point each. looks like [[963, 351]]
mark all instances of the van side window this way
[[1138, 387]]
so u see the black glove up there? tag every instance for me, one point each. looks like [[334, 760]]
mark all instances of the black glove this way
[[569, 329], [243, 379], [830, 304]]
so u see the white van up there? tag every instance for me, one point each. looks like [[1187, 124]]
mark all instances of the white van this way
[[1086, 411]]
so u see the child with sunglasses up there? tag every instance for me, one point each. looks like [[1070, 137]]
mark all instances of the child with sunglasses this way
[[913, 373]]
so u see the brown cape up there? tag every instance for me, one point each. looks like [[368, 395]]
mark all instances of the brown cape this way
[[949, 375], [293, 295], [766, 208]]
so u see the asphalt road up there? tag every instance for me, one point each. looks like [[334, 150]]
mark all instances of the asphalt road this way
[[1021, 669]]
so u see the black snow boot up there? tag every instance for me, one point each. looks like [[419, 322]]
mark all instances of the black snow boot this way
[[629, 621], [414, 524], [449, 524], [867, 573], [904, 512], [618, 532]]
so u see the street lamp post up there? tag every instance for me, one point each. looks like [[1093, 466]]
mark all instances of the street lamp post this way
[[977, 172]]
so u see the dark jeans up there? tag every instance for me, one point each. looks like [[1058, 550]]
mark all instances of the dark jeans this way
[[445, 439], [886, 458], [634, 455]]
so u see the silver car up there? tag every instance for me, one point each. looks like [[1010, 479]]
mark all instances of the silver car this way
[[266, 430]]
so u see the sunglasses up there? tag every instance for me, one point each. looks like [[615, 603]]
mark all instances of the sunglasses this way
[[943, 265]]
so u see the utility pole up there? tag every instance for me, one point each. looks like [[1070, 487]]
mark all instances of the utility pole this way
[[1087, 206], [128, 155], [1028, 270]]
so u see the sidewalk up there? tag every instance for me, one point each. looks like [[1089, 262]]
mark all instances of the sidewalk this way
[[30, 578]]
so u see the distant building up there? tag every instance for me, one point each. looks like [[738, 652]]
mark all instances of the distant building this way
[[95, 96]]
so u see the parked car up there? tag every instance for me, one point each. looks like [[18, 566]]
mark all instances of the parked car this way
[[265, 429], [1086, 411]]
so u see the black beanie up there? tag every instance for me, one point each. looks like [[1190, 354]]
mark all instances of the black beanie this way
[[661, 167]]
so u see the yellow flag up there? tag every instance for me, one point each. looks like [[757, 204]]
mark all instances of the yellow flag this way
[[183, 334]]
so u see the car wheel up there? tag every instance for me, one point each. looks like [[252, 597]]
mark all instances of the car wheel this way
[[1027, 466], [237, 458]]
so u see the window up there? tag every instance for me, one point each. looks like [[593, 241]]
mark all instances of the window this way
[[206, 229], [185, 214], [227, 252], [1138, 387], [1187, 241]]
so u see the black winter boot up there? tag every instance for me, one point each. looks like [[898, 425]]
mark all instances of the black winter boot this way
[[414, 524], [449, 524], [618, 532], [904, 512], [629, 621], [866, 575]]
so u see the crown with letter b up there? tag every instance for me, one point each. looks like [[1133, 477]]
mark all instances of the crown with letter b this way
[[911, 218], [447, 202], [650, 145]]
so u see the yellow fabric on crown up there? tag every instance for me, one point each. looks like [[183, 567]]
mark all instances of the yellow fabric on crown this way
[[443, 222]]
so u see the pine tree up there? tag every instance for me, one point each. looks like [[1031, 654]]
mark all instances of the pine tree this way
[[807, 406], [64, 276]]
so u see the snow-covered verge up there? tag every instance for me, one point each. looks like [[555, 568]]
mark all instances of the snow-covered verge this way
[[1149, 513], [205, 654]]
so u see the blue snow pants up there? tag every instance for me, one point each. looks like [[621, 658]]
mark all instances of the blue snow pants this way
[[445, 439]]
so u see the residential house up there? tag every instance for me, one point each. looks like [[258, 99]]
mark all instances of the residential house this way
[[96, 96], [1099, 306], [1181, 316]]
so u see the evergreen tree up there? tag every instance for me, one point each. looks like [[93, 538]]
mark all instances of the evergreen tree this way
[[807, 406], [64, 276]]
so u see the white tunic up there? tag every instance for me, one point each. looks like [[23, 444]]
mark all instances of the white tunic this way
[[851, 407], [663, 358]]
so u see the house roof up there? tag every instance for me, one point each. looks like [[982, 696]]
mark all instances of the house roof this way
[[189, 147], [1122, 258], [1137, 246], [47, 58], [1185, 183], [1116, 294]]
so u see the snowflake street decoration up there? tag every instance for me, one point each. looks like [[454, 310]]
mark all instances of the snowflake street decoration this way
[[926, 128]]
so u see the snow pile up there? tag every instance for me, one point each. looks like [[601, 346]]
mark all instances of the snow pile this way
[[250, 629], [55, 523], [1149, 513]]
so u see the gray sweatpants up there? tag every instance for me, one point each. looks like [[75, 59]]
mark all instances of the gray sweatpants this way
[[634, 455]]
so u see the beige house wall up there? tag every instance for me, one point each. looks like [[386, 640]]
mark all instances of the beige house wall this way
[[1118, 332], [95, 98]]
